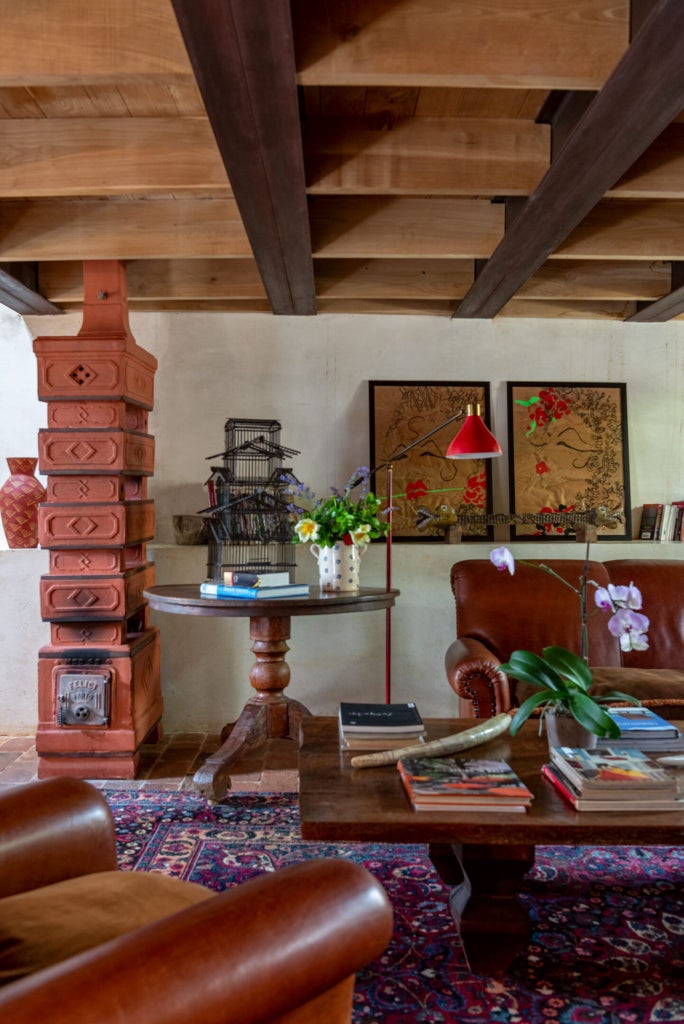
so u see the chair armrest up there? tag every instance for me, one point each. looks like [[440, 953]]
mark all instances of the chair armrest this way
[[474, 674], [248, 955], [52, 830]]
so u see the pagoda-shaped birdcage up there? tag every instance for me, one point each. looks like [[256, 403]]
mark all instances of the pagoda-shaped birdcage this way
[[251, 526]]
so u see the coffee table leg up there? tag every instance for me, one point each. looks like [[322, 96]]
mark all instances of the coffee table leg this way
[[492, 922], [269, 714]]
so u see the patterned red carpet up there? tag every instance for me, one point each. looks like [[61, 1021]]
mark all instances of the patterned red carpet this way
[[608, 941]]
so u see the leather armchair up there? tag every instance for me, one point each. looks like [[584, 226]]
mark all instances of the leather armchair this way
[[497, 613], [282, 947]]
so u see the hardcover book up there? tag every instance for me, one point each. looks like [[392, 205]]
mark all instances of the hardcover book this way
[[599, 803], [640, 722], [380, 718], [254, 593], [464, 783], [256, 579], [612, 770]]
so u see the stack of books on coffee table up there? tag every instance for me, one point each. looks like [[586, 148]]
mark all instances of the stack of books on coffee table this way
[[644, 729], [379, 726], [462, 784], [611, 779]]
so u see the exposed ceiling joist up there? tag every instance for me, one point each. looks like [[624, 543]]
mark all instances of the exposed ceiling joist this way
[[242, 53], [649, 83], [669, 306], [18, 290]]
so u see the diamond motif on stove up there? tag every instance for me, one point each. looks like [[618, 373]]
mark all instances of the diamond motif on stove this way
[[81, 450], [85, 561], [82, 374], [82, 525], [86, 635], [83, 489], [82, 598]]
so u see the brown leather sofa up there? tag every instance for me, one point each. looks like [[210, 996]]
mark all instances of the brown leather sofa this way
[[282, 947], [497, 613]]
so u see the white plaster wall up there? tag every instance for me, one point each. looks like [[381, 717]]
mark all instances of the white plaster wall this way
[[312, 374]]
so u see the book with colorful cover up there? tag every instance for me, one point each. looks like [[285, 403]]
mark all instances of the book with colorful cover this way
[[640, 723], [633, 802], [253, 593], [463, 783], [370, 719], [615, 770]]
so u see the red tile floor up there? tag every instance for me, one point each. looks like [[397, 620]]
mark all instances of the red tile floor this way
[[171, 764]]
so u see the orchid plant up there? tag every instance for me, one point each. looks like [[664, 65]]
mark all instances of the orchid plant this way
[[564, 677], [338, 517]]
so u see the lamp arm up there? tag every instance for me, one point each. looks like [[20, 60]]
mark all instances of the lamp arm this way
[[403, 452]]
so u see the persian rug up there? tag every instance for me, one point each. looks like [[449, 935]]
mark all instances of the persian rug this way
[[608, 923]]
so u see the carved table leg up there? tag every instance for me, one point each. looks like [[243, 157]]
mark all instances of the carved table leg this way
[[269, 714], [492, 923]]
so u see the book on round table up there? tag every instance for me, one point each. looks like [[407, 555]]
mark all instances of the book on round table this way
[[254, 593]]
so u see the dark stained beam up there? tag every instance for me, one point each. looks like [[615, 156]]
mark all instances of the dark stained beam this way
[[242, 53], [668, 307], [19, 290], [637, 102]]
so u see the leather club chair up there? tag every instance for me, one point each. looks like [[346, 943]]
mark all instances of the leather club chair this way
[[82, 941]]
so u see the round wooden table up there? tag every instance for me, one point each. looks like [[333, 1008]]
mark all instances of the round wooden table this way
[[269, 714]]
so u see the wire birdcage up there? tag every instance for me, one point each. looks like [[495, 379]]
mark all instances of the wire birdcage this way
[[251, 525]]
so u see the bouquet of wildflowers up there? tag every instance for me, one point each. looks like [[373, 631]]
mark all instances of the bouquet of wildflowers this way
[[339, 517]]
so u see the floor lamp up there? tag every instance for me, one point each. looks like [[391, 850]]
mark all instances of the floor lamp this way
[[473, 441]]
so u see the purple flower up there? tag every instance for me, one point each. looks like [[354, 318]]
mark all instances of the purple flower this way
[[502, 559], [630, 628]]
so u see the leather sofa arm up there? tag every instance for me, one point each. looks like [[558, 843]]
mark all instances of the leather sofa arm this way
[[52, 830], [289, 939], [473, 673]]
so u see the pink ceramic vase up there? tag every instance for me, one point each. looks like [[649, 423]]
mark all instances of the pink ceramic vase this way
[[19, 498]]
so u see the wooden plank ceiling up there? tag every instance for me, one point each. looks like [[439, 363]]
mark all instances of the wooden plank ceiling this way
[[354, 156]]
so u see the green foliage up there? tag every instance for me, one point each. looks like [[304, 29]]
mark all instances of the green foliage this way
[[338, 516], [564, 680]]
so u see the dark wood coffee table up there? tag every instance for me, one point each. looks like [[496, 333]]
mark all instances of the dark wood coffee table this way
[[492, 851]]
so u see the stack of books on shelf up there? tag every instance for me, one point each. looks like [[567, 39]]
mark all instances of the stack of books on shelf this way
[[254, 586], [643, 729], [660, 521], [611, 779], [379, 726], [469, 785]]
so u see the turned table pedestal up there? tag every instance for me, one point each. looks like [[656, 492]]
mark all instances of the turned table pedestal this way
[[269, 714]]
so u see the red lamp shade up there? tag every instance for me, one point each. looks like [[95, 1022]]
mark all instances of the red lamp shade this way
[[473, 440]]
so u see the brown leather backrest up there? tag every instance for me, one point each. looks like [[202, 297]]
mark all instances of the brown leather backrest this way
[[531, 609], [661, 584]]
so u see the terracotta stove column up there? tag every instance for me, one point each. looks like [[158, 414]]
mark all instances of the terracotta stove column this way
[[99, 693]]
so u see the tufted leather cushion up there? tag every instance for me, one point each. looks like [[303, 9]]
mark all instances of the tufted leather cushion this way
[[46, 925]]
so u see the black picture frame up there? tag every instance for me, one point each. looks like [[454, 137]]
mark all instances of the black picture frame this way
[[403, 411], [569, 451]]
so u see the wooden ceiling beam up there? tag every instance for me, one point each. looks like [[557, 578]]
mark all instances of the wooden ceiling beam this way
[[447, 156], [649, 83], [242, 54], [669, 306], [428, 42], [101, 229], [75, 41], [109, 156], [19, 290], [166, 279], [386, 226]]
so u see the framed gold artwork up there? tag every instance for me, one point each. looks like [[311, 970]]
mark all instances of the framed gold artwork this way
[[400, 413], [568, 452]]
